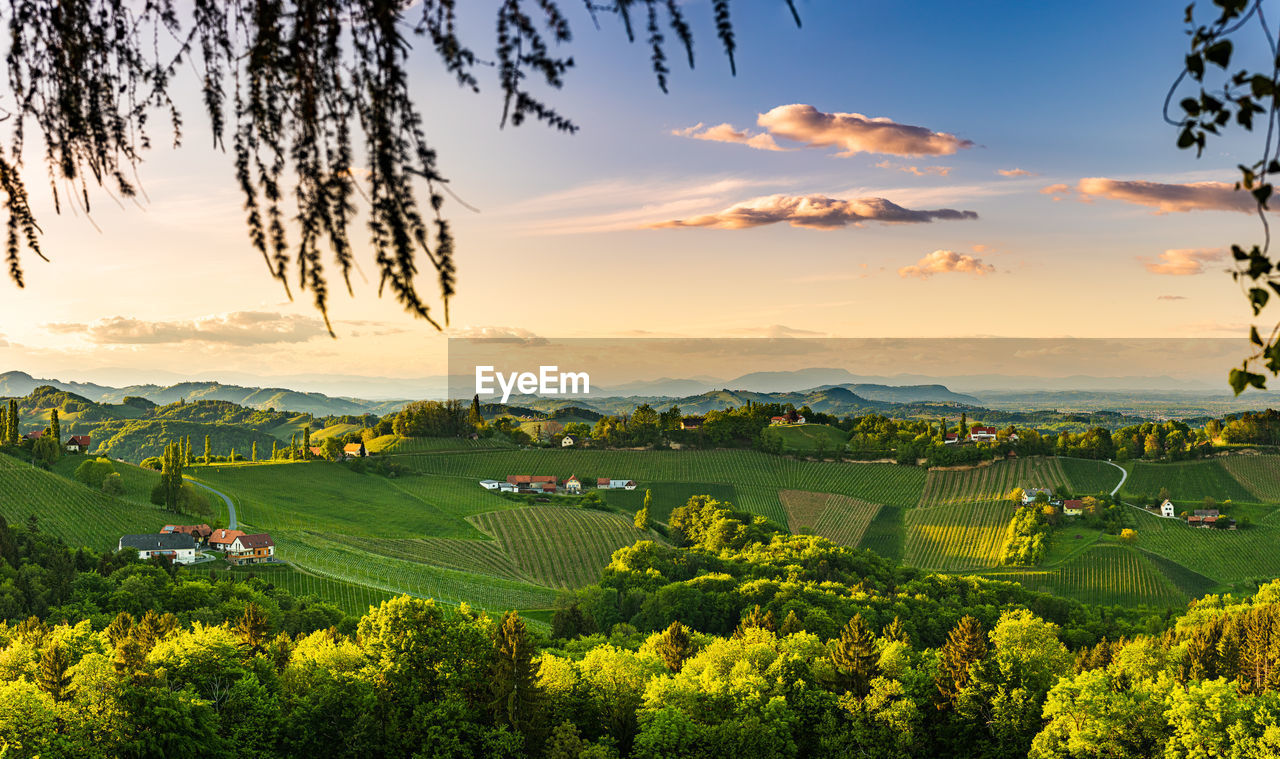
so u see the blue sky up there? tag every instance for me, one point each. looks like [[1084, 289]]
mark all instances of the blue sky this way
[[1061, 91]]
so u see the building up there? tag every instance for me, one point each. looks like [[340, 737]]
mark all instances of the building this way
[[1166, 508], [198, 532], [251, 549], [1073, 507], [791, 417], [78, 444], [537, 483], [34, 435], [1029, 494], [604, 483], [179, 547], [1204, 518], [490, 484], [691, 423], [221, 540], [317, 452], [573, 485], [352, 450], [569, 441], [982, 434], [1013, 437], [951, 439]]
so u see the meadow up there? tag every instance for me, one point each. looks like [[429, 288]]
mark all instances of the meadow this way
[[808, 438]]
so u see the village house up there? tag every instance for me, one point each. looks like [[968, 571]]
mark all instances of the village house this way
[[251, 549], [1166, 508], [573, 485], [78, 444], [179, 547], [1073, 507], [221, 540], [691, 423], [1204, 518], [538, 483], [198, 532], [569, 441], [791, 417], [1013, 437], [982, 434], [1029, 494], [352, 450], [604, 483], [34, 435], [951, 439], [490, 484], [317, 452]]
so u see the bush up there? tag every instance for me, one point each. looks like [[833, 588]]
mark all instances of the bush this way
[[113, 484], [92, 472], [154, 463]]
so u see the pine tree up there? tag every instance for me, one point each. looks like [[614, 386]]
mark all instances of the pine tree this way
[[895, 631], [642, 516], [119, 628], [232, 456], [790, 624], [55, 428], [275, 450], [171, 476], [475, 417], [757, 617], [293, 448], [252, 628], [855, 657], [517, 698], [964, 424], [253, 453], [966, 645], [306, 442], [208, 449], [674, 647], [53, 675]]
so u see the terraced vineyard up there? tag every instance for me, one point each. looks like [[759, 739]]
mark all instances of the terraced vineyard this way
[[1105, 573], [79, 515], [1223, 555], [352, 599], [1089, 477], [993, 482], [886, 533], [562, 548], [837, 518], [397, 444], [667, 496], [484, 557], [877, 483], [1259, 474], [1187, 481], [966, 535]]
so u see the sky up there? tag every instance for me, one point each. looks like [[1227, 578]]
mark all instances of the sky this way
[[919, 169]]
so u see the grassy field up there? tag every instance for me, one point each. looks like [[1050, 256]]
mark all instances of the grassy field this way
[[808, 438], [958, 536], [79, 515], [993, 482], [886, 534], [1187, 481], [667, 496], [397, 444], [1260, 475], [837, 518], [561, 548]]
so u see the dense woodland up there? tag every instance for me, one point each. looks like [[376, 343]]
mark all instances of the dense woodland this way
[[739, 641]]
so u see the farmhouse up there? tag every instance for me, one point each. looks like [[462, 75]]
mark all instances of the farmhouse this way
[[34, 435], [78, 444], [316, 452], [1029, 494], [490, 484], [604, 483], [353, 450], [537, 483], [1166, 508], [982, 434], [691, 423], [1073, 507], [221, 540], [569, 441], [791, 417], [1205, 518], [199, 532], [251, 549], [573, 484], [177, 546], [951, 439]]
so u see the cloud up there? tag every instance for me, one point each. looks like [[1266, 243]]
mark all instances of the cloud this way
[[1015, 173], [944, 261], [1184, 262], [1171, 297], [485, 333], [1165, 198], [919, 171], [814, 212], [236, 328], [854, 133], [726, 133]]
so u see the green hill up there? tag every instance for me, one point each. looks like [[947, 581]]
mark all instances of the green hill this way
[[807, 438]]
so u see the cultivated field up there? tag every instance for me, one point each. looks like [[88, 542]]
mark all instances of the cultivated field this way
[[837, 518], [1105, 573], [1089, 477], [886, 533], [1259, 474], [1186, 480], [561, 548], [993, 482], [667, 496], [809, 438], [352, 599], [959, 536], [1223, 555]]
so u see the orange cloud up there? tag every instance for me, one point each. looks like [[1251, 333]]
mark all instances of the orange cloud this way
[[1015, 173], [726, 133], [814, 212], [854, 133], [945, 261], [1165, 198], [919, 171], [1184, 262]]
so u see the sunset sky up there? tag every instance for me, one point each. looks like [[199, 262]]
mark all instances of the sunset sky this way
[[917, 169]]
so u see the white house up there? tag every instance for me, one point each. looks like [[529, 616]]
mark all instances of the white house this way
[[1166, 508], [573, 484], [507, 487], [490, 484], [569, 441], [176, 545], [251, 549], [982, 434], [604, 483], [951, 439]]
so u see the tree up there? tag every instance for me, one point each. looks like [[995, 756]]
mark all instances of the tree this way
[[332, 448], [674, 646], [642, 516], [854, 657], [1128, 536], [55, 429], [53, 675], [966, 645], [208, 450], [45, 452], [253, 628], [791, 624], [275, 450], [295, 120], [475, 417], [896, 631], [306, 443], [253, 452], [517, 698]]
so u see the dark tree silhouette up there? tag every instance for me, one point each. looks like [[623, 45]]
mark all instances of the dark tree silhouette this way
[[297, 88]]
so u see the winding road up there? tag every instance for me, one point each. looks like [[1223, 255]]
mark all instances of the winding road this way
[[231, 507], [1124, 475]]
